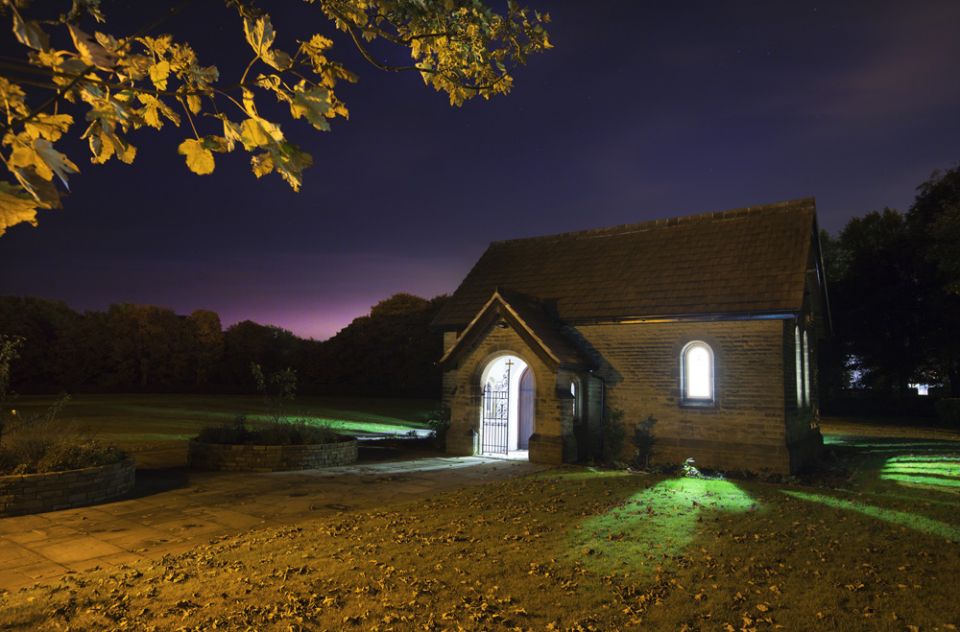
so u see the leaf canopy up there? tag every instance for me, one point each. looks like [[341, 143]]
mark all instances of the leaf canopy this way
[[121, 84]]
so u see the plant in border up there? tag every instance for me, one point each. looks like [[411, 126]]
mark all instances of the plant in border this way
[[439, 423], [612, 434], [42, 442], [643, 441]]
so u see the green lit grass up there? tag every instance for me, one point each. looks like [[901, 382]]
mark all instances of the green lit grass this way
[[909, 520], [140, 422], [936, 473], [662, 520]]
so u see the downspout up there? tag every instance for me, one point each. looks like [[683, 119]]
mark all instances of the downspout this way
[[603, 408]]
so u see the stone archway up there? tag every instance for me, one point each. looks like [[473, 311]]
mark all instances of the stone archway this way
[[506, 409]]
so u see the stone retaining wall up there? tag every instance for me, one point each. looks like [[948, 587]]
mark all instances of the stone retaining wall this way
[[270, 458], [34, 493]]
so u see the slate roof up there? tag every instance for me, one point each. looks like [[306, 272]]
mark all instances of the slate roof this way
[[743, 261]]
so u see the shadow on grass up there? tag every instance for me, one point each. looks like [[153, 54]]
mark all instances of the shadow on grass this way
[[881, 465], [909, 520], [907, 482]]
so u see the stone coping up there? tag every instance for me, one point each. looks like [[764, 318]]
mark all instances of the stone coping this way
[[270, 458], [49, 491]]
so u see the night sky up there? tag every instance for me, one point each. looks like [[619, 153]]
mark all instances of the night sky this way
[[642, 110]]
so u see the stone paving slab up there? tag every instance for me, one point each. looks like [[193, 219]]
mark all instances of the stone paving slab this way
[[173, 510]]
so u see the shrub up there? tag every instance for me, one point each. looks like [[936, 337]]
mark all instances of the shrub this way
[[612, 434], [277, 389], [643, 442], [948, 411], [72, 456], [231, 433], [9, 351], [42, 442], [439, 422]]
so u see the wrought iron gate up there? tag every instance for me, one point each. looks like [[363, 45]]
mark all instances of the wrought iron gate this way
[[495, 415]]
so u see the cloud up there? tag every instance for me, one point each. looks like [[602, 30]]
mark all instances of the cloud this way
[[905, 67]]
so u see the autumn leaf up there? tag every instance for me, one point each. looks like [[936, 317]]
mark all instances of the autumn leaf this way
[[153, 108], [231, 132], [55, 161], [312, 104], [262, 164], [15, 208], [277, 59], [45, 159], [104, 144], [29, 33], [159, 73], [199, 158], [257, 132], [194, 103], [260, 34], [91, 52], [48, 126]]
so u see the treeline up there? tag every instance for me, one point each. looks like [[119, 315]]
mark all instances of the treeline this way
[[894, 286], [144, 348]]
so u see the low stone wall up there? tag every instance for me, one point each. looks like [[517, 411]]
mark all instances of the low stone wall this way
[[34, 493], [270, 458]]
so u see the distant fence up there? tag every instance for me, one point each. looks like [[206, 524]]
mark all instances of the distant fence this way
[[868, 404]]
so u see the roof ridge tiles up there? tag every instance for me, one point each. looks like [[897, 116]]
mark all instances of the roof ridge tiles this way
[[624, 229]]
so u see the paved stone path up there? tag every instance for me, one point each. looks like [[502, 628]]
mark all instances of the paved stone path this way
[[172, 510]]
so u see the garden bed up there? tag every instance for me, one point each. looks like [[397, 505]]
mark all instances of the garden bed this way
[[49, 491], [270, 458]]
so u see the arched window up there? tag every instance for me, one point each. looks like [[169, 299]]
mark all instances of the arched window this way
[[799, 365], [806, 371], [575, 393], [696, 373]]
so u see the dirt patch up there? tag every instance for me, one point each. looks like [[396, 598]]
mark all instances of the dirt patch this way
[[574, 549]]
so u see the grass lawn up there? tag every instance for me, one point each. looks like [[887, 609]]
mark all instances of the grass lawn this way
[[140, 422], [874, 543]]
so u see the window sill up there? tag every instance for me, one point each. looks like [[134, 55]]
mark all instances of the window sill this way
[[698, 403]]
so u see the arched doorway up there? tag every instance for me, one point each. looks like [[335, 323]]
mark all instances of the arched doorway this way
[[506, 410]]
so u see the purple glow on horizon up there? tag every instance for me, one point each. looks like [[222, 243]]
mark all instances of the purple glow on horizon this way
[[641, 111]]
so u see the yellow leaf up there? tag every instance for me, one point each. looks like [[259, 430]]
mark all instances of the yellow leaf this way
[[44, 158], [153, 108], [29, 32], [312, 104], [257, 132], [127, 153], [194, 103], [231, 133], [56, 161], [49, 126], [277, 59], [26, 156], [262, 164], [199, 158], [91, 52], [159, 73], [15, 208], [260, 34], [249, 105]]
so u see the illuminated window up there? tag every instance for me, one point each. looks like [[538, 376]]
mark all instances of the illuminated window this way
[[575, 392], [799, 366], [696, 373], [806, 371]]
